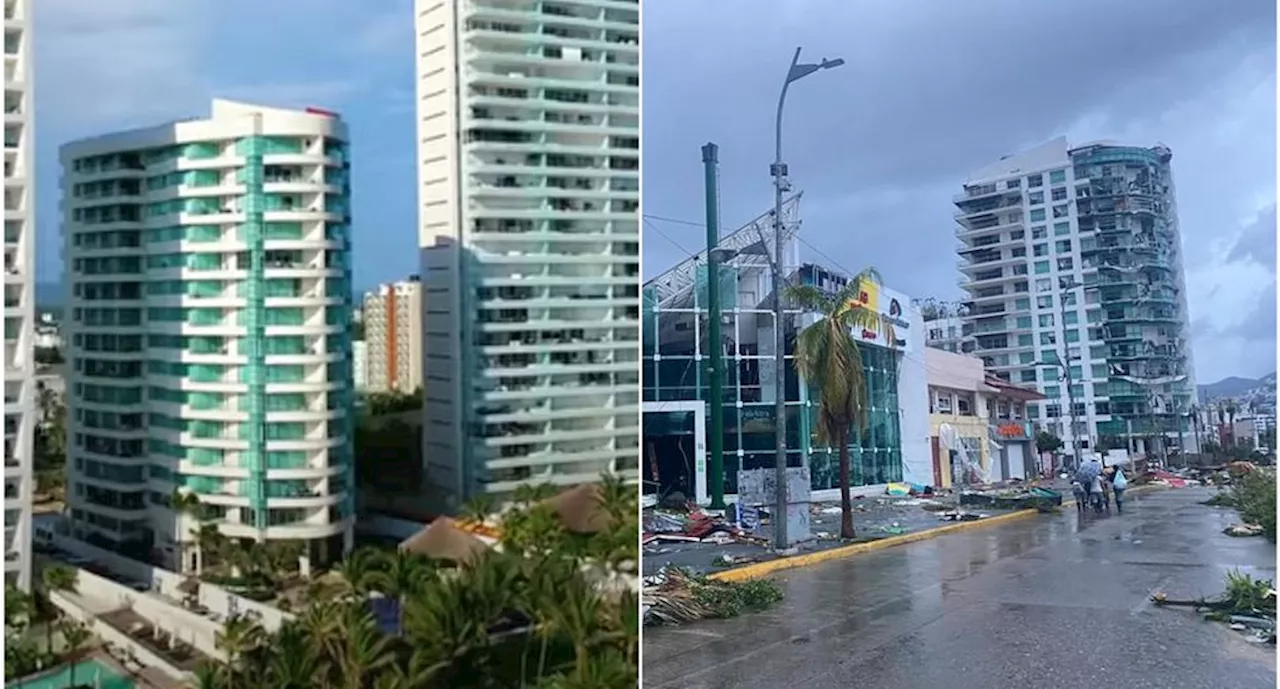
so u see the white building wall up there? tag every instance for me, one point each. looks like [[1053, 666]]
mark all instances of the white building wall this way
[[19, 290], [913, 398], [528, 128]]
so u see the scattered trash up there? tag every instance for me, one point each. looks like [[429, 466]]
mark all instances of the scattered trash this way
[[834, 509], [958, 516], [894, 528], [675, 596], [901, 489], [1243, 530]]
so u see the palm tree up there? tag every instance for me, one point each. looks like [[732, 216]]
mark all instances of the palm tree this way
[[397, 576], [240, 635], [53, 578], [827, 354], [74, 636], [479, 507], [365, 651], [293, 661], [357, 571]]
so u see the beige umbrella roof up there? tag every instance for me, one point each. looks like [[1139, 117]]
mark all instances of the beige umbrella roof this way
[[580, 510], [443, 539]]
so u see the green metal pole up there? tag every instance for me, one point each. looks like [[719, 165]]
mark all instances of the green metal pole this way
[[715, 342]]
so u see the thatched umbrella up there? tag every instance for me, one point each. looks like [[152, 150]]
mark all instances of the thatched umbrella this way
[[580, 509], [442, 539]]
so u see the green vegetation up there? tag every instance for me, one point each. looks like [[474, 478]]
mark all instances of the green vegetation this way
[[524, 617], [1047, 442], [684, 596], [1253, 495], [827, 352], [26, 653]]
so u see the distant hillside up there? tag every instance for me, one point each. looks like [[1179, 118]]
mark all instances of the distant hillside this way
[[1260, 392]]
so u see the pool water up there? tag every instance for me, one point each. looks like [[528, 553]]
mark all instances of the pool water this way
[[90, 672]]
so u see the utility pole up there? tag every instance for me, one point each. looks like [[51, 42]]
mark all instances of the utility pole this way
[[1066, 286], [780, 184], [715, 341]]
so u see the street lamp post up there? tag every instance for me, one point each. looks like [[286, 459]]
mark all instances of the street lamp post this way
[[1064, 363], [778, 170]]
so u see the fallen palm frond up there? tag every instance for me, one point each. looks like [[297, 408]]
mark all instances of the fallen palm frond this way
[[1246, 604], [676, 596]]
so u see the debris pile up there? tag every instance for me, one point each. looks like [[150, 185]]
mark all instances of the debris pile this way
[[677, 596], [1013, 498], [1244, 530], [696, 526], [1248, 605]]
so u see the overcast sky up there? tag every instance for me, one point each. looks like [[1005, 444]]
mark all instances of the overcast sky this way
[[933, 90]]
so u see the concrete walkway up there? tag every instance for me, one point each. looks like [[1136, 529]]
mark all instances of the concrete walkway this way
[[1055, 601]]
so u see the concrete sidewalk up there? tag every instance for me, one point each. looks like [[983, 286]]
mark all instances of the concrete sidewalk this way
[[1018, 604]]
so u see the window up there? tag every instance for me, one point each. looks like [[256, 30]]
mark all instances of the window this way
[[1062, 247], [1027, 358], [1044, 284], [942, 402], [1037, 215], [1013, 184], [1025, 340], [964, 405], [1021, 304], [1070, 318], [1034, 181], [1069, 298], [1042, 267], [1024, 322], [935, 333], [1040, 250], [1099, 371], [1094, 316], [1018, 252], [1046, 320], [1059, 194], [1017, 234], [1028, 376], [1102, 408], [1057, 176], [1098, 352], [1061, 229], [1065, 263], [1058, 211], [1035, 197], [1073, 336], [1048, 338], [1052, 411], [1049, 375], [1048, 355], [1045, 302], [1039, 232]]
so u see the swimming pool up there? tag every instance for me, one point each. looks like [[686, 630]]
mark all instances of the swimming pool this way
[[88, 672]]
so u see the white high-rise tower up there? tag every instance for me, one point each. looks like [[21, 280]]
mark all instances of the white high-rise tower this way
[[19, 291], [529, 216], [1073, 254]]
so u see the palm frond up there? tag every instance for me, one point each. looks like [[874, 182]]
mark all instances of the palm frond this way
[[808, 298]]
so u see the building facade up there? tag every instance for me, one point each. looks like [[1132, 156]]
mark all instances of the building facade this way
[[1073, 255], [209, 353], [19, 291], [991, 438], [676, 377], [393, 337], [529, 223]]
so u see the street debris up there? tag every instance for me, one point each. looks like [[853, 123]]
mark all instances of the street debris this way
[[1247, 605], [959, 516], [1243, 530], [1016, 497], [677, 596]]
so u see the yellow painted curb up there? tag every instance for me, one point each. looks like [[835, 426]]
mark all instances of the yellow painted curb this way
[[759, 569]]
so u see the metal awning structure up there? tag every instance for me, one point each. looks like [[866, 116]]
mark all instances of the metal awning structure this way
[[675, 287]]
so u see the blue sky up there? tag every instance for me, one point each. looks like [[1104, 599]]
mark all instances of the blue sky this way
[[105, 65]]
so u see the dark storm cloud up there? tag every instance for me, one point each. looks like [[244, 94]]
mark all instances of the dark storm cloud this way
[[931, 91], [1257, 240]]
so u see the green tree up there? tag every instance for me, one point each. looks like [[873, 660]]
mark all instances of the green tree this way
[[1047, 442], [826, 354], [74, 637]]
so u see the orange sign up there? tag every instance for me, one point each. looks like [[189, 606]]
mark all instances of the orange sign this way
[[1011, 430]]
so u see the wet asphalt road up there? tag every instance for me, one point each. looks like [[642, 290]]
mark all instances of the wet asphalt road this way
[[1053, 601]]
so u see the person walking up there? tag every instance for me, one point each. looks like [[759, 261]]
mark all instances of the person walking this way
[[1118, 484]]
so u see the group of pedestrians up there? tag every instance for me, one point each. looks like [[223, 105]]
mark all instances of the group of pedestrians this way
[[1094, 486]]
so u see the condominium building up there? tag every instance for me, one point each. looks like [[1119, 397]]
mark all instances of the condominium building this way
[[529, 200], [393, 337], [19, 292], [1073, 255], [208, 345]]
